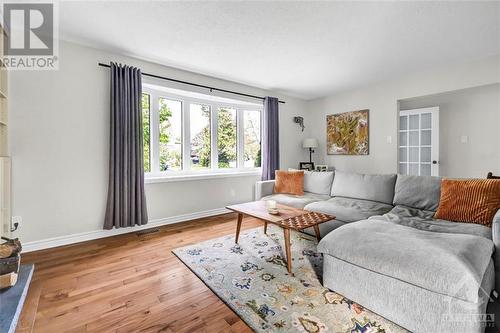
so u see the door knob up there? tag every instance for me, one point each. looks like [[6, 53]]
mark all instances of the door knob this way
[[434, 162]]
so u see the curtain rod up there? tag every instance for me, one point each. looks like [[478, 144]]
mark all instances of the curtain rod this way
[[196, 84]]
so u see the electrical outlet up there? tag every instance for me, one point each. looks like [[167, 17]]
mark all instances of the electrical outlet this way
[[389, 139], [464, 139], [15, 222]]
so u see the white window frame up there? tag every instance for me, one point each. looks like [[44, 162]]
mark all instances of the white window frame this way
[[155, 175]]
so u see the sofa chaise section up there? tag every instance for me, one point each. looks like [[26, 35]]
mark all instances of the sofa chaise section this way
[[424, 281], [406, 266]]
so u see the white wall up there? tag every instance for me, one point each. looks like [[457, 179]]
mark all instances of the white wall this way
[[59, 144], [474, 113], [382, 101]]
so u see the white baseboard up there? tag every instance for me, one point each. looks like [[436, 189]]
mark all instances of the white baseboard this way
[[90, 235]]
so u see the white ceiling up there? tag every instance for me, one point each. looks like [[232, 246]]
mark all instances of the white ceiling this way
[[306, 49]]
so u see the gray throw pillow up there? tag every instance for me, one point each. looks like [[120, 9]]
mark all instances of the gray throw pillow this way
[[317, 182]]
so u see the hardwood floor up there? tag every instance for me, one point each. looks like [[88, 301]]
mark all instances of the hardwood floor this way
[[128, 283]]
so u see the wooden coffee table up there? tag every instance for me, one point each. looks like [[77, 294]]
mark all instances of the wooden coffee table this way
[[288, 218]]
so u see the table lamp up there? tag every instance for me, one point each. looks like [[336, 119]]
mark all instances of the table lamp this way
[[310, 143]]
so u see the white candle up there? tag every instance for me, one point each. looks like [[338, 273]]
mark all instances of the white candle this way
[[271, 204]]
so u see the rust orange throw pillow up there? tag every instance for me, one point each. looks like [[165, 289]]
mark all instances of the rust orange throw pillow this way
[[471, 200], [289, 182]]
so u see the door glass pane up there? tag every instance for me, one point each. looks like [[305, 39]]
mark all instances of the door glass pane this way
[[414, 138], [252, 152], [413, 169], [413, 154], [226, 137], [414, 121], [402, 154], [426, 120], [425, 154], [426, 138], [402, 168], [403, 122], [425, 169], [170, 131], [199, 117], [146, 132], [403, 138]]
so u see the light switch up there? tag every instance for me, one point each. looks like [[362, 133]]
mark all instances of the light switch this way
[[389, 139], [464, 139]]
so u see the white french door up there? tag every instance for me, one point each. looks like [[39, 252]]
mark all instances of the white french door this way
[[419, 142]]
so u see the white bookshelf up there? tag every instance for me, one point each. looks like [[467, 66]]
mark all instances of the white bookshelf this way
[[5, 161]]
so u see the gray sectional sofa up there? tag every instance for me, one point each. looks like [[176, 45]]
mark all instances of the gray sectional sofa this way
[[385, 251]]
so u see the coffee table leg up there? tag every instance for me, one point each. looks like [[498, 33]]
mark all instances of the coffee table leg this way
[[265, 227], [316, 231], [238, 227], [287, 249]]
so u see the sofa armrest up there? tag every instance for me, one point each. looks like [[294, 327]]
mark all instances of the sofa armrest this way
[[264, 188], [495, 236]]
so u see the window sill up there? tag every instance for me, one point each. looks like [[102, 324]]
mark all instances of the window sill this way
[[201, 176]]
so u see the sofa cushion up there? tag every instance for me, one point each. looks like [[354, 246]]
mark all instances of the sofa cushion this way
[[367, 187], [297, 201], [469, 200], [318, 182], [420, 192], [449, 264], [349, 210]]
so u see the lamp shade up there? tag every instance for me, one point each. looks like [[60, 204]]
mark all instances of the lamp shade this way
[[310, 143]]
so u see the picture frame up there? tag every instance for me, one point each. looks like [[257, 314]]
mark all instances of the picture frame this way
[[321, 168], [306, 166], [347, 133]]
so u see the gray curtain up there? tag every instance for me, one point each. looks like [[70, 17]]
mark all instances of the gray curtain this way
[[270, 138], [126, 205]]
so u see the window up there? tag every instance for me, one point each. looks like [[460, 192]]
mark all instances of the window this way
[[189, 133]]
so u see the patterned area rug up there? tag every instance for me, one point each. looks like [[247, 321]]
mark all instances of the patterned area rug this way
[[251, 277]]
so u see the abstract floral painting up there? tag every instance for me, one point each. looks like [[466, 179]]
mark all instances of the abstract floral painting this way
[[347, 133]]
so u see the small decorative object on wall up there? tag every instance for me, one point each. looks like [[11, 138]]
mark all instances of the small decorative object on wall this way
[[306, 166], [347, 133], [322, 168], [299, 120]]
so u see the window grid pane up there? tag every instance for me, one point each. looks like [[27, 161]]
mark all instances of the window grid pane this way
[[170, 134], [403, 168], [200, 136], [252, 147], [226, 138], [403, 139], [414, 121], [426, 138], [413, 138], [426, 121], [413, 169], [403, 123]]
